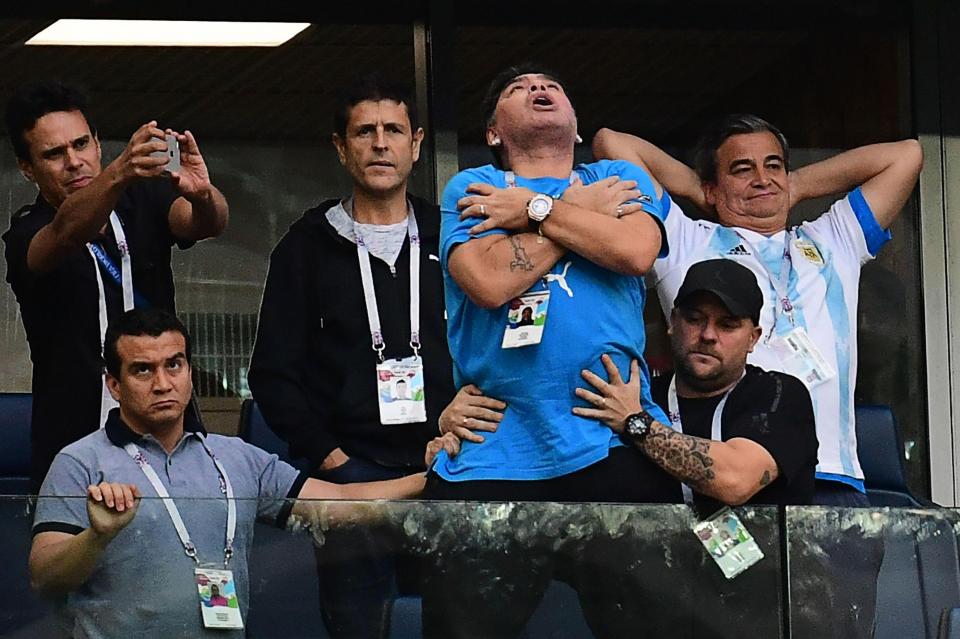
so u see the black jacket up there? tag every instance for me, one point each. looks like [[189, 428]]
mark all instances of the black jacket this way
[[313, 371]]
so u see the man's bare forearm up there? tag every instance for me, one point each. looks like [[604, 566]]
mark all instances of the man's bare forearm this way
[[65, 565], [495, 269], [78, 220], [627, 245], [685, 457], [199, 217], [675, 176], [731, 472], [887, 173]]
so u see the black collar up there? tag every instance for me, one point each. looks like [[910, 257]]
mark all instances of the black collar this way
[[120, 434]]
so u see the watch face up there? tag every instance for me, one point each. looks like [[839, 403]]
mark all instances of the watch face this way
[[636, 426], [540, 207]]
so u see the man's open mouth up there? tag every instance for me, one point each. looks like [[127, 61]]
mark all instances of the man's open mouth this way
[[542, 101]]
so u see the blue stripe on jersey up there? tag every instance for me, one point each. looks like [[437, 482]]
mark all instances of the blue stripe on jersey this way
[[843, 479], [840, 318], [873, 233]]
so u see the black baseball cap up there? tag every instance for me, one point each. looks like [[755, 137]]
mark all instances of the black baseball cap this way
[[733, 283]]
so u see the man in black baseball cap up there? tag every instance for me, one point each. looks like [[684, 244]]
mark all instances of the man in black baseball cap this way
[[738, 433], [734, 284]]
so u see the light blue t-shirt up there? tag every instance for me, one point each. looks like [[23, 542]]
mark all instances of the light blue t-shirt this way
[[592, 311], [144, 583]]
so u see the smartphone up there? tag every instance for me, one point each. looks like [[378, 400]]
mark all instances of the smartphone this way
[[172, 153]]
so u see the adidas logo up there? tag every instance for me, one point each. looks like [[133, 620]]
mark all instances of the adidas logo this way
[[739, 249]]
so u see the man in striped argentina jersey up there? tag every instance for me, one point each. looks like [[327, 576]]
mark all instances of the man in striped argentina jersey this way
[[809, 274]]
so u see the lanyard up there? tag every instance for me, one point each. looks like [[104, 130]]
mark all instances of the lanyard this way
[[779, 283], [125, 277], [673, 405], [511, 178], [188, 547], [370, 294]]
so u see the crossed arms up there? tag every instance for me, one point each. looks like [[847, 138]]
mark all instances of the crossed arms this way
[[594, 221]]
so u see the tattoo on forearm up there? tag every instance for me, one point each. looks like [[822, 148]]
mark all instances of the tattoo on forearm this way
[[686, 458], [765, 479], [520, 259]]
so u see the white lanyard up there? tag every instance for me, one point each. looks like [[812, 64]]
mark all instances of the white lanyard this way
[[511, 178], [188, 547], [370, 294], [673, 405], [107, 402], [779, 283]]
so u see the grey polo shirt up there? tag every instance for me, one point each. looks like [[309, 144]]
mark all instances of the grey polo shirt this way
[[144, 583]]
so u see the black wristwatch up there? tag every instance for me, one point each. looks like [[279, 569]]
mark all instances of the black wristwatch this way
[[638, 425]]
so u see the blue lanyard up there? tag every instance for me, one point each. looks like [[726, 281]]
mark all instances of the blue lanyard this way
[[114, 273]]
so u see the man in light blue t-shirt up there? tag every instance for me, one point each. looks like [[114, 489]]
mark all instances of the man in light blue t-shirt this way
[[571, 244], [91, 554]]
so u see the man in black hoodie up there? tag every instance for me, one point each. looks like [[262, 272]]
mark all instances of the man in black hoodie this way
[[353, 304]]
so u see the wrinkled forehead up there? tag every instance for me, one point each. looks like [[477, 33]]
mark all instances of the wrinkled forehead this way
[[526, 79], [374, 111], [147, 348], [749, 145]]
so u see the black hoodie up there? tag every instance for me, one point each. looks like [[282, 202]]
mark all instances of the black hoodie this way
[[313, 370]]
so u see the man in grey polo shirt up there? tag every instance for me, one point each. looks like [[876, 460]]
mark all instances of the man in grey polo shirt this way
[[123, 566]]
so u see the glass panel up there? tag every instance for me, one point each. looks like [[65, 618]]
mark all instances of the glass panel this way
[[482, 564], [846, 563], [559, 570]]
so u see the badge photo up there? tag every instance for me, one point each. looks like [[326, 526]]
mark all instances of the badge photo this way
[[526, 318], [218, 598], [400, 391], [728, 542]]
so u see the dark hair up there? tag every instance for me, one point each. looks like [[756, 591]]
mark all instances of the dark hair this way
[[500, 82], [375, 88], [705, 157], [34, 101], [153, 322]]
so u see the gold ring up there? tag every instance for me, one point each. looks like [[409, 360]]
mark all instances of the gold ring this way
[[619, 211], [603, 402], [465, 420], [483, 210]]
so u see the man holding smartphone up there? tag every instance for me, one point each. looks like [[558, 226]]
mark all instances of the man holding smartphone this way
[[95, 243]]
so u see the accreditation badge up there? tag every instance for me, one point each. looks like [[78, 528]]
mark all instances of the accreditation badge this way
[[218, 598], [728, 542], [801, 358], [400, 391], [526, 318]]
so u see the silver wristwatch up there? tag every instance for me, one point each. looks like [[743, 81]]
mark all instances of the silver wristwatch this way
[[538, 208]]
